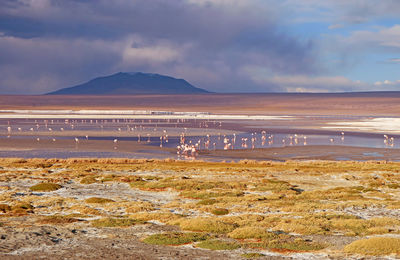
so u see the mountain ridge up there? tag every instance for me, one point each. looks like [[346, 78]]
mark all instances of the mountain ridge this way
[[128, 83]]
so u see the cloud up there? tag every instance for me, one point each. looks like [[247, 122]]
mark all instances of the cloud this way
[[205, 42], [387, 83], [220, 45], [138, 52], [344, 12], [384, 38], [39, 65]]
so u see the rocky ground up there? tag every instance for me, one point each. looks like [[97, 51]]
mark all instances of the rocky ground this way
[[119, 208]]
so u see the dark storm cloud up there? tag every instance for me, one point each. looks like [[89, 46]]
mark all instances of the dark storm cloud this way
[[47, 45]]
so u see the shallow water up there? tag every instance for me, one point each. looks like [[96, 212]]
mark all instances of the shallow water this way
[[128, 130], [258, 140]]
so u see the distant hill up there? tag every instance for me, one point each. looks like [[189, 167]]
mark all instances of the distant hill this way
[[123, 83]]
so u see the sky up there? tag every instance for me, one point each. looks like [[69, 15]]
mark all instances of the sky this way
[[218, 45]]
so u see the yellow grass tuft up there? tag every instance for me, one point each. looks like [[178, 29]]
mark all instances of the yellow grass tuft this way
[[251, 232], [375, 246], [45, 187], [98, 200], [207, 225]]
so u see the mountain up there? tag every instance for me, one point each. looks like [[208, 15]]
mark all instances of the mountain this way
[[123, 83]]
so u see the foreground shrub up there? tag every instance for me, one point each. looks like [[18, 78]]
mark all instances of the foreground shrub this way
[[220, 211], [115, 222], [22, 208], [206, 225], [98, 200], [251, 233], [58, 220], [45, 186], [218, 245], [88, 180], [174, 238], [375, 246], [296, 245], [207, 202]]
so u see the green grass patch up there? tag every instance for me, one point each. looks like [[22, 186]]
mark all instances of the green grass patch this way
[[175, 238], [45, 186]]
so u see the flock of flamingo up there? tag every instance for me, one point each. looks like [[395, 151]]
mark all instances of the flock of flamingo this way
[[188, 146]]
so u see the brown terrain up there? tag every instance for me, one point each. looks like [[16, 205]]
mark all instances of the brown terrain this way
[[387, 104]]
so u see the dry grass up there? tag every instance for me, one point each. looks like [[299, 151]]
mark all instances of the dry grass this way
[[45, 187], [220, 211], [98, 200], [207, 225], [251, 233], [57, 220], [4, 208], [375, 246], [115, 222]]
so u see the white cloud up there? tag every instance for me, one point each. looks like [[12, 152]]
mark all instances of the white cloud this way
[[387, 83], [384, 39], [150, 55]]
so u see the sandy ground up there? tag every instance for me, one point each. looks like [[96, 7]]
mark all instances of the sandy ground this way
[[77, 242], [263, 104]]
